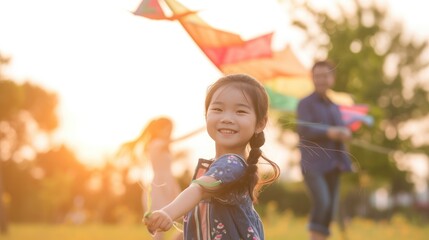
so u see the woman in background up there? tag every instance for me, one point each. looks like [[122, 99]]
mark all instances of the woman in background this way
[[155, 139]]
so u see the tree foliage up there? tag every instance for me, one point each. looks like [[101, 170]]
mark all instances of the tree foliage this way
[[26, 110], [51, 185], [382, 67]]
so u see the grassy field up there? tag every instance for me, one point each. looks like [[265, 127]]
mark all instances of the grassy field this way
[[276, 227]]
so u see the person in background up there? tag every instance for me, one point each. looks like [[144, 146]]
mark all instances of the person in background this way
[[155, 140], [322, 135], [219, 204]]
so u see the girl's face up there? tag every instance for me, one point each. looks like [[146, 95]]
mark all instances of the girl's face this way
[[231, 120]]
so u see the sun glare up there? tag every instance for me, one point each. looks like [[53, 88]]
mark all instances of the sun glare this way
[[114, 71]]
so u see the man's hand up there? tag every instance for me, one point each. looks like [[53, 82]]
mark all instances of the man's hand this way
[[339, 133]]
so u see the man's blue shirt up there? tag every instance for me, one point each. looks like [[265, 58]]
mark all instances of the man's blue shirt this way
[[319, 153]]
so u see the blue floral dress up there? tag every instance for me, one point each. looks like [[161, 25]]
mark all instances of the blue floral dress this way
[[229, 217]]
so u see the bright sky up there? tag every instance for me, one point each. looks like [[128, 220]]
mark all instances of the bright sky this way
[[115, 71]]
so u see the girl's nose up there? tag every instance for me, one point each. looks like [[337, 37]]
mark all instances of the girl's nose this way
[[226, 119]]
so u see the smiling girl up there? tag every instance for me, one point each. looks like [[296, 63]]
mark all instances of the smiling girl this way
[[219, 204]]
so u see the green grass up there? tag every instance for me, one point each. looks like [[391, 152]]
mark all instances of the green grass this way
[[288, 227], [276, 228]]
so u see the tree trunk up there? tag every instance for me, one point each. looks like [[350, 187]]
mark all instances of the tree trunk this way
[[3, 215]]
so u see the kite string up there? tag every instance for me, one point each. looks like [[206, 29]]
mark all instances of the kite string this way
[[358, 142]]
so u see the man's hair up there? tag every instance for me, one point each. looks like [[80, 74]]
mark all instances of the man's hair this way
[[325, 63]]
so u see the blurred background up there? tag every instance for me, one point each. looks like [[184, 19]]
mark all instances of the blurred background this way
[[79, 78]]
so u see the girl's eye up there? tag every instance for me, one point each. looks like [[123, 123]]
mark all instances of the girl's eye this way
[[216, 109], [241, 111]]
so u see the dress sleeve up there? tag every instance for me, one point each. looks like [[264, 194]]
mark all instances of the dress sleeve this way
[[228, 168]]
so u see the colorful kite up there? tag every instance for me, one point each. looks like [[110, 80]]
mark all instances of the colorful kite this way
[[283, 75]]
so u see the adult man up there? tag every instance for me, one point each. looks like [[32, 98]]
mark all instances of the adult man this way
[[323, 156]]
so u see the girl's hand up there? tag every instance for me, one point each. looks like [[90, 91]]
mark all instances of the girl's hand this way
[[158, 221]]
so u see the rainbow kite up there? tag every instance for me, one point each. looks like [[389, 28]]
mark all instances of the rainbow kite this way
[[283, 75]]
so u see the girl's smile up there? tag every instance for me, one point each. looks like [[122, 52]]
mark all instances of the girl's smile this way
[[231, 120]]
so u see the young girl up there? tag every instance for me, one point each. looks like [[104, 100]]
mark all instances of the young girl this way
[[219, 204], [156, 139]]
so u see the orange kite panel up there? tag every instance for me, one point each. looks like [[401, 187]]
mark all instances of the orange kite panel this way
[[206, 36], [283, 63]]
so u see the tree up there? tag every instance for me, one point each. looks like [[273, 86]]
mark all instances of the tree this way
[[382, 67], [62, 180], [26, 112]]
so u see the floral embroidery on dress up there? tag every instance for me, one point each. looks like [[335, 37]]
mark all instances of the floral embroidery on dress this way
[[218, 237], [251, 234], [220, 226], [219, 230]]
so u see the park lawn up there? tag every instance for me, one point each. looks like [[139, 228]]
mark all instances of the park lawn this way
[[288, 227], [276, 228]]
